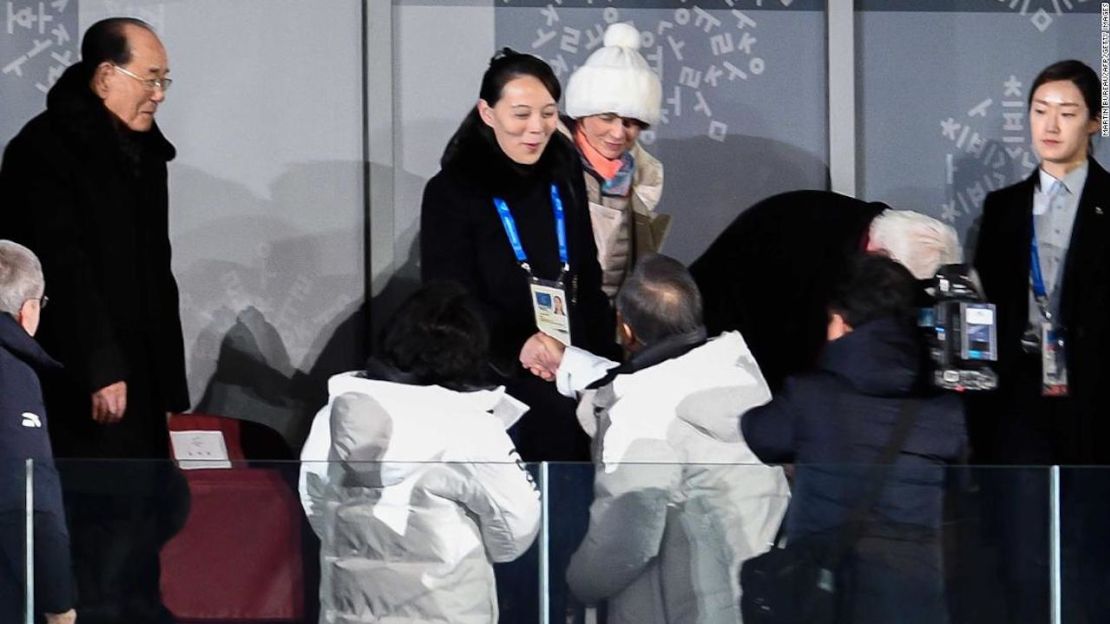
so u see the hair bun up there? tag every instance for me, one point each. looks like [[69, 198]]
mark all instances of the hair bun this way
[[622, 35]]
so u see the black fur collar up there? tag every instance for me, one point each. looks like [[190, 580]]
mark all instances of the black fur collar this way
[[473, 157], [82, 114]]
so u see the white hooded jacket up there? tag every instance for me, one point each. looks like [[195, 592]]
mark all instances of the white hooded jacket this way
[[680, 500], [414, 491]]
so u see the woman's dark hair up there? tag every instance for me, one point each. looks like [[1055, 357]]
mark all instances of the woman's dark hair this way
[[874, 287], [504, 67], [1078, 73], [438, 338], [508, 65]]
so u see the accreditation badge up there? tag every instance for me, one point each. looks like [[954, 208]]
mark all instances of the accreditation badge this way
[[1054, 367], [549, 304]]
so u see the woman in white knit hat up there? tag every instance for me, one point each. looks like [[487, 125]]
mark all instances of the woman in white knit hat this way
[[610, 100]]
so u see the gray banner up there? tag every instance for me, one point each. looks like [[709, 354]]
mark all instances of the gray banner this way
[[38, 40], [943, 114]]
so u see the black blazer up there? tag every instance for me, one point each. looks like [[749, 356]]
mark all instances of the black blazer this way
[[1002, 259]]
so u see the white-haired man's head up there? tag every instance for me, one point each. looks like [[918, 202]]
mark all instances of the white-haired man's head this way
[[21, 285], [918, 241]]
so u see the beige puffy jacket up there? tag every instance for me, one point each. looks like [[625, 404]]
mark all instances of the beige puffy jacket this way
[[618, 244]]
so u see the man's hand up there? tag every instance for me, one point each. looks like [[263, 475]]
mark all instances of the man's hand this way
[[69, 617], [541, 355], [109, 403]]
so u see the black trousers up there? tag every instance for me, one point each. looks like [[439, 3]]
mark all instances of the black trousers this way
[[1032, 434], [549, 431], [120, 514], [53, 572]]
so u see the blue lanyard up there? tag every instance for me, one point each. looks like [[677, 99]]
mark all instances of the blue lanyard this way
[[1040, 293], [514, 236]]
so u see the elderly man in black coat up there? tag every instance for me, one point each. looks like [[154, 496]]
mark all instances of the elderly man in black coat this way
[[84, 185], [770, 274]]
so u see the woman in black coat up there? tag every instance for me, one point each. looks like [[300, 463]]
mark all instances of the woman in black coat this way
[[508, 149], [1062, 207]]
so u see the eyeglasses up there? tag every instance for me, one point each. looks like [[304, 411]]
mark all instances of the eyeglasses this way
[[43, 300], [150, 83]]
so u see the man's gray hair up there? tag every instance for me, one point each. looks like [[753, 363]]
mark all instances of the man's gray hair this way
[[921, 243], [20, 276], [660, 299]]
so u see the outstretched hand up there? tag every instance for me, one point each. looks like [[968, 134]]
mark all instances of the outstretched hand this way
[[541, 355]]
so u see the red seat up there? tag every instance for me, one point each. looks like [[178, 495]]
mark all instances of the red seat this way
[[238, 558]]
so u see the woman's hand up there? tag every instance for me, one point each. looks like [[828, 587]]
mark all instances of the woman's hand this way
[[541, 355]]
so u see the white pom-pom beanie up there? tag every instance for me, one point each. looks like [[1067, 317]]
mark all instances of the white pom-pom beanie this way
[[616, 79]]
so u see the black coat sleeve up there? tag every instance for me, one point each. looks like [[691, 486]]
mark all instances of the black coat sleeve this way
[[987, 238], [769, 430], [168, 334], [448, 252]]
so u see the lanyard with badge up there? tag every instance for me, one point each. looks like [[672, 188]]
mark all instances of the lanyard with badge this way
[[1050, 338], [549, 298]]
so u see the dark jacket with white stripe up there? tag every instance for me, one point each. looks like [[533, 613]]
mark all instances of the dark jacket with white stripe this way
[[23, 436]]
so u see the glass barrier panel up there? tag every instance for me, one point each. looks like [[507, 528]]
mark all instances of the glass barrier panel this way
[[16, 540], [301, 542], [941, 544], [1083, 501]]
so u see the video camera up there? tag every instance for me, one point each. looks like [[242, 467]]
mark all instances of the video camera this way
[[961, 331]]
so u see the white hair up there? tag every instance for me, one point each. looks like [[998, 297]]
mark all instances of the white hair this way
[[20, 276], [918, 241]]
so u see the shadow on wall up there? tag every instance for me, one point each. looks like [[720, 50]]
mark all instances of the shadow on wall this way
[[959, 201], [404, 281], [708, 183], [272, 299], [272, 289]]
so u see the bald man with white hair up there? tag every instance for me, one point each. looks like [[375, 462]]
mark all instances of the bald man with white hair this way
[[771, 272]]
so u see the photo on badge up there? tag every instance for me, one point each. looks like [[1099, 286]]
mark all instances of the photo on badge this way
[[543, 301]]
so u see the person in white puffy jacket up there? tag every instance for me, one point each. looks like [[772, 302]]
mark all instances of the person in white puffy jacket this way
[[680, 500], [410, 480]]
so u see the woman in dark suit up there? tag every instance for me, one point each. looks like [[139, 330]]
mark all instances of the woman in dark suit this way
[[1043, 255], [506, 163], [507, 149]]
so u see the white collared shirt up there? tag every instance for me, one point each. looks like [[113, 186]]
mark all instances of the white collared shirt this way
[[1053, 220]]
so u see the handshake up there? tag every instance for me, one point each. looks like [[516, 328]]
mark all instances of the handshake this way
[[541, 355]]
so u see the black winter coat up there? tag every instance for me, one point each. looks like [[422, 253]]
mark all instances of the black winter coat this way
[[23, 422], [770, 274], [462, 239], [23, 436], [91, 201], [834, 424], [835, 421]]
